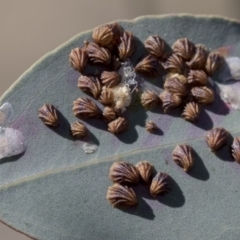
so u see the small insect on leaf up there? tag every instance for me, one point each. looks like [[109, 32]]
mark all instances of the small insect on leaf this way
[[216, 138], [151, 126], [108, 35], [109, 114], [127, 46], [214, 61], [199, 59], [90, 85], [155, 46], [236, 149], [85, 108], [149, 99], [191, 112], [123, 172], [78, 59], [183, 48], [174, 64], [78, 130], [48, 114], [145, 170], [174, 85], [98, 54], [118, 125], [161, 184], [182, 155], [170, 100], [121, 196], [197, 78], [148, 67], [106, 97], [110, 79], [203, 95]]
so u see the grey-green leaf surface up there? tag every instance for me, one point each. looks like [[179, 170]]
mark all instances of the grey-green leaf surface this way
[[57, 191]]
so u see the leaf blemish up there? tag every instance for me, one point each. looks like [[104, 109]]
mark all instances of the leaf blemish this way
[[89, 148], [12, 141]]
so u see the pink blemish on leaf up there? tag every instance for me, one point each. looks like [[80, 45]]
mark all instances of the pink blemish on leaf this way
[[115, 143], [225, 50], [217, 117], [32, 129], [207, 121], [12, 142], [151, 140], [72, 78], [230, 93], [194, 132]]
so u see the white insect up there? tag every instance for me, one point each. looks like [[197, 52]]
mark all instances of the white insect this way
[[229, 77], [12, 141], [122, 97], [122, 93]]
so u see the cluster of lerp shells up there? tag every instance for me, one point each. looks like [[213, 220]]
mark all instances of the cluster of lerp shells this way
[[188, 68], [111, 45], [124, 174], [218, 137]]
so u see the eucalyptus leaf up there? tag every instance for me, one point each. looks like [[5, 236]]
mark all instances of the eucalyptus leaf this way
[[57, 191]]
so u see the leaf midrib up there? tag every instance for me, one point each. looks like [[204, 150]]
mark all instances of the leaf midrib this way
[[95, 161]]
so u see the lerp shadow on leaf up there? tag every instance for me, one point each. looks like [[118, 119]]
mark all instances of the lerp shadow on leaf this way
[[11, 159], [136, 108], [218, 106], [91, 138], [223, 74], [175, 198], [174, 112], [139, 53], [158, 132], [130, 136], [136, 115], [96, 123], [63, 129], [224, 153], [204, 121], [198, 171], [94, 69], [142, 210]]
